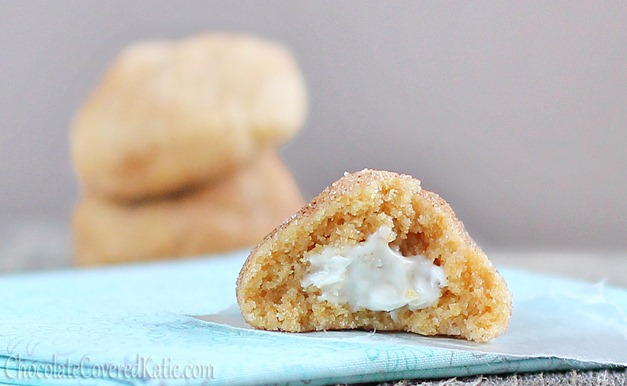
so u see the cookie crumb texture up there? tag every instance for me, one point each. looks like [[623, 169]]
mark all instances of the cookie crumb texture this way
[[475, 304]]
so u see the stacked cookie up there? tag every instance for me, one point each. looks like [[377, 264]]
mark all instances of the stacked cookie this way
[[176, 149]]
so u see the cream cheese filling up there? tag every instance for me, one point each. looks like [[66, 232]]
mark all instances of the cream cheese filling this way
[[371, 275]]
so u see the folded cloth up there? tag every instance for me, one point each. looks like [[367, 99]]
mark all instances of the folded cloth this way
[[177, 323]]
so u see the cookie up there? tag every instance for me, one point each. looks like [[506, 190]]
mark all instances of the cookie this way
[[168, 116], [374, 251], [232, 213]]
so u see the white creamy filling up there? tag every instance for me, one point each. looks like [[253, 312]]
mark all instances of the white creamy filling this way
[[371, 275]]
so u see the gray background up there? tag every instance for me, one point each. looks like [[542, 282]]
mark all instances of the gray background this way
[[515, 113]]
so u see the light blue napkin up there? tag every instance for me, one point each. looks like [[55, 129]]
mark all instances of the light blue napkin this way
[[139, 324]]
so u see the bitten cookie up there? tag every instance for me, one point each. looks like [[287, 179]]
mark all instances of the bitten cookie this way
[[168, 116], [234, 213], [374, 251]]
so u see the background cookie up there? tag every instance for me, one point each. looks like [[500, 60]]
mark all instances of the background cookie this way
[[235, 212], [171, 115]]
